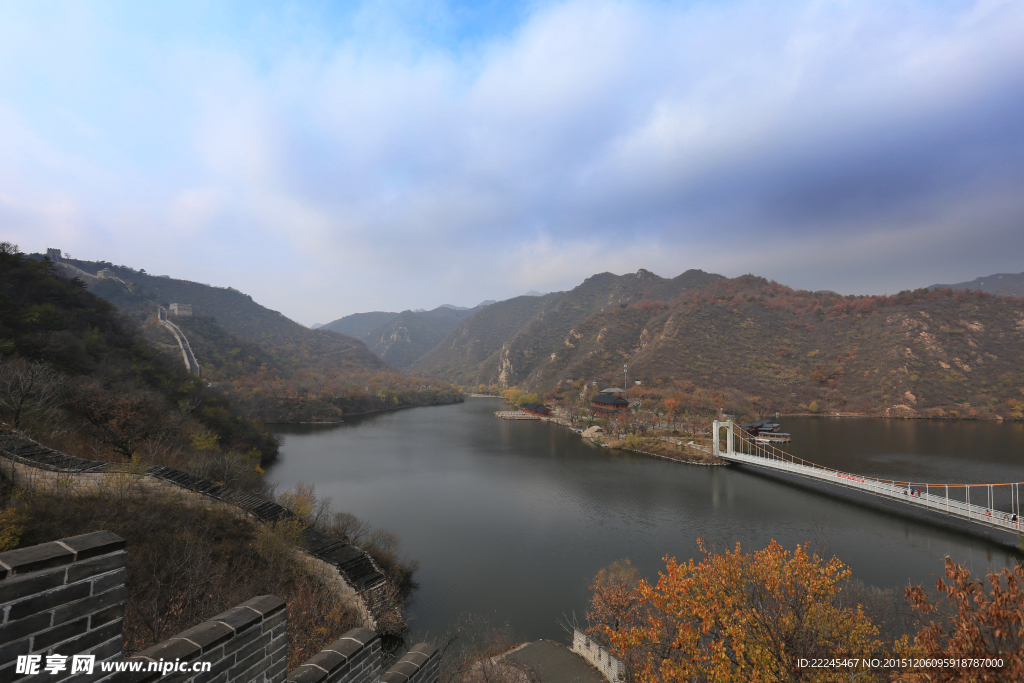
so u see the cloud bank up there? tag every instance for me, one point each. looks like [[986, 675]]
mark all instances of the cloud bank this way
[[404, 154]]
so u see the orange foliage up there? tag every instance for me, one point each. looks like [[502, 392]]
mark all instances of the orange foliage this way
[[742, 617], [985, 625]]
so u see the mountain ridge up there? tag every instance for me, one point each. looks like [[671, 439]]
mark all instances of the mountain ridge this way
[[926, 353], [236, 312], [506, 341], [1003, 284]]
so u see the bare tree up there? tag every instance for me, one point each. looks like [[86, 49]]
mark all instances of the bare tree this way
[[29, 388], [121, 417]]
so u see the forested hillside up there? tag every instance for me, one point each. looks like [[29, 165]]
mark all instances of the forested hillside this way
[[1004, 284], [507, 342], [400, 339], [291, 344], [79, 376], [405, 338], [358, 325], [942, 353], [273, 368]]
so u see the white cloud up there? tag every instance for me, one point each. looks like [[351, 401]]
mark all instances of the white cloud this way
[[593, 136]]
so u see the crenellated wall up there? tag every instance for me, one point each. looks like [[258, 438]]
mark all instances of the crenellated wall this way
[[421, 664], [191, 364], [66, 598], [246, 644], [356, 656], [29, 464]]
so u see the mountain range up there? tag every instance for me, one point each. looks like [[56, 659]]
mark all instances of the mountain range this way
[[274, 368], [931, 352], [939, 351], [934, 351], [1003, 284], [402, 338], [288, 341], [513, 342]]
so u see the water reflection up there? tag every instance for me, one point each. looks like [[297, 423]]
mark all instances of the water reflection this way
[[511, 518]]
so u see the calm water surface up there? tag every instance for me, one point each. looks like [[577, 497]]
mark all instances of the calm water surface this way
[[509, 519]]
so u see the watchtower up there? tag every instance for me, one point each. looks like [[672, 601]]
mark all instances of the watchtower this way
[[54, 254], [184, 310]]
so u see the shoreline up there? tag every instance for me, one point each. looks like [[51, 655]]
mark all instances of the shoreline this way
[[997, 418], [368, 412], [601, 444], [665, 457]]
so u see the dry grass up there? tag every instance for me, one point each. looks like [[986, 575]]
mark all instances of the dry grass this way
[[187, 563]]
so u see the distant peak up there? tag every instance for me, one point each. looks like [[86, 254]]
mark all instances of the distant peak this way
[[316, 326]]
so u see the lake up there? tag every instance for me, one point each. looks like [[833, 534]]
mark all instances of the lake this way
[[511, 519]]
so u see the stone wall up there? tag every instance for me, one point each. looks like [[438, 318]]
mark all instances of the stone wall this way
[[421, 664], [29, 464], [613, 669], [67, 598], [64, 597], [191, 364], [246, 644], [356, 656]]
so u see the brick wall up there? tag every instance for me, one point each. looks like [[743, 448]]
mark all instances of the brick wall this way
[[421, 664], [246, 644], [29, 464], [64, 597], [355, 657], [67, 598]]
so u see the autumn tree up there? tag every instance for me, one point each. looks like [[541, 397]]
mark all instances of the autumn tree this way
[[760, 407], [743, 617], [615, 604], [673, 408], [980, 624], [121, 417]]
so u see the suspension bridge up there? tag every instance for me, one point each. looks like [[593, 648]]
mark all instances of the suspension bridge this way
[[1001, 509]]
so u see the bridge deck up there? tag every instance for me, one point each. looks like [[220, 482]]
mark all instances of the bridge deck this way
[[929, 500]]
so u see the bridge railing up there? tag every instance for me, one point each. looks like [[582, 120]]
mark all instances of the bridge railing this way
[[1002, 508]]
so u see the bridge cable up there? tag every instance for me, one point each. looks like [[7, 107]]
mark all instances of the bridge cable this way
[[750, 446]]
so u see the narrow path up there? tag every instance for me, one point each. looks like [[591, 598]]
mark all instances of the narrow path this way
[[555, 663], [26, 463]]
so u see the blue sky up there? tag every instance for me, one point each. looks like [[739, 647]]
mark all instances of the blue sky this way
[[330, 158]]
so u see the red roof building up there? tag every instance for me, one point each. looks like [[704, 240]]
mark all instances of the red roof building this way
[[609, 403]]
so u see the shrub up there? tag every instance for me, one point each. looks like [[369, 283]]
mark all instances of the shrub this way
[[186, 563]]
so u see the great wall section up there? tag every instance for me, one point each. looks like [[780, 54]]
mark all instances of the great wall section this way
[[63, 614], [29, 464], [62, 603], [191, 364], [186, 349], [66, 597]]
